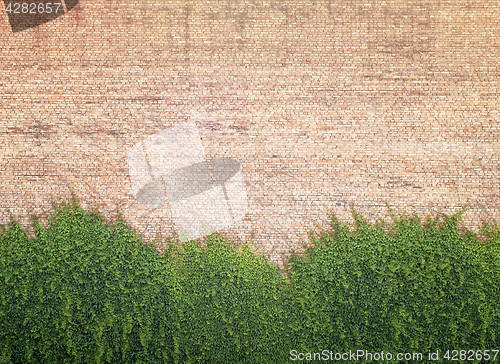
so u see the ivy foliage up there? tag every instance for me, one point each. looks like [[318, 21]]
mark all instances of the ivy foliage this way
[[409, 286], [233, 304], [83, 290]]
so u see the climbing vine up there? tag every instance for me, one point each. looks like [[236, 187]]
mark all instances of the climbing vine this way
[[86, 290]]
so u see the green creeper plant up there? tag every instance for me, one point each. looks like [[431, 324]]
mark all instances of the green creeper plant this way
[[84, 291], [232, 304], [402, 287]]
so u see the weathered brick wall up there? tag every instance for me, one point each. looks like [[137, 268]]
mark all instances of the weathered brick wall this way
[[326, 104]]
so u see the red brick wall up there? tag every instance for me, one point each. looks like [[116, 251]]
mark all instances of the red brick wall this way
[[326, 104]]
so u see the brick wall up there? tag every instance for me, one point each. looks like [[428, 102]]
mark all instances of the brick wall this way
[[326, 104]]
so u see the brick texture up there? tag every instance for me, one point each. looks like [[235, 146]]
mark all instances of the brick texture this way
[[326, 105]]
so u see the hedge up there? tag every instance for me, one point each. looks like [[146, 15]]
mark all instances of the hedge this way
[[86, 290]]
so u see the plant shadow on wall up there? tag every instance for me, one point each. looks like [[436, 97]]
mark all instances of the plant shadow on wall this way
[[84, 289]]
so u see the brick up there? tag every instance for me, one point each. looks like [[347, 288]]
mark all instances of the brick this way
[[361, 102]]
